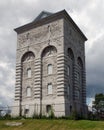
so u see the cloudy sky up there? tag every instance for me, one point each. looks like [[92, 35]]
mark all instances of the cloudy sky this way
[[88, 15]]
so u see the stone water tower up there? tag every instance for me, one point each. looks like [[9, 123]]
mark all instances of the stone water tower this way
[[50, 67]]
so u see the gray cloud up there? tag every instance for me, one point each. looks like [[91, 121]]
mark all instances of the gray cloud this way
[[95, 64], [87, 14]]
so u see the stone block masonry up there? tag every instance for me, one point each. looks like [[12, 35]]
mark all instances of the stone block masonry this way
[[50, 67]]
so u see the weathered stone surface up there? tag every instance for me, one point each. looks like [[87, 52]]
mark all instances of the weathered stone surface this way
[[58, 43]]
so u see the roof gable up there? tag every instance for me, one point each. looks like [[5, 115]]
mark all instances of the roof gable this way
[[46, 17], [42, 15]]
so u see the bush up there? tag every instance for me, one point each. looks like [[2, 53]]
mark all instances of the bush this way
[[51, 115], [76, 116], [7, 116]]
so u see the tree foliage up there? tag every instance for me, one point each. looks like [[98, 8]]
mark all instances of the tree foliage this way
[[99, 98], [99, 105]]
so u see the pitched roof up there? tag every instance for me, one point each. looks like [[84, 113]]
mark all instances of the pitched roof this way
[[46, 17], [42, 15]]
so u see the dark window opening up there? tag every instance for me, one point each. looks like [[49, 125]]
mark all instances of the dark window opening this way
[[48, 109]]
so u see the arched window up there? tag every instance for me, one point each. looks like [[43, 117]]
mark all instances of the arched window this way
[[29, 72], [70, 54], [28, 92], [79, 62], [80, 66], [50, 68], [49, 88], [68, 70]]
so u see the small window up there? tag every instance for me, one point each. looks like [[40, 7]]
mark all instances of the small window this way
[[28, 92], [78, 78], [48, 109], [70, 108], [50, 88], [68, 90], [29, 72], [68, 70], [50, 69], [77, 94], [77, 75], [26, 111]]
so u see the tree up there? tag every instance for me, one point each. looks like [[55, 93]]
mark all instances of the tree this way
[[98, 104]]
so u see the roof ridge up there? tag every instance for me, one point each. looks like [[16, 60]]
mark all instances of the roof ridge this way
[[44, 13]]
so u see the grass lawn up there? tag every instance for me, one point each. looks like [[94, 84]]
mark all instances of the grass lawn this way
[[43, 124]]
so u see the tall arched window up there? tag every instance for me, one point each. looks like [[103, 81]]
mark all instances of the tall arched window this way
[[27, 62], [49, 65], [50, 68], [28, 92], [29, 72], [80, 66], [70, 71]]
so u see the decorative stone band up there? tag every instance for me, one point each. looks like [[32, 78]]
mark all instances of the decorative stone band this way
[[37, 83], [60, 75], [84, 87], [75, 82], [18, 81]]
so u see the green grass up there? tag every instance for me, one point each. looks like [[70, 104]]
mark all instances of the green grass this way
[[43, 124]]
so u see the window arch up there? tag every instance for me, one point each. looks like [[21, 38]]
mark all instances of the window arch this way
[[28, 91], [50, 50], [70, 54], [28, 56]]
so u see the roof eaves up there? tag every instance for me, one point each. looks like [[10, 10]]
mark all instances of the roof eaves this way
[[60, 14], [37, 22]]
